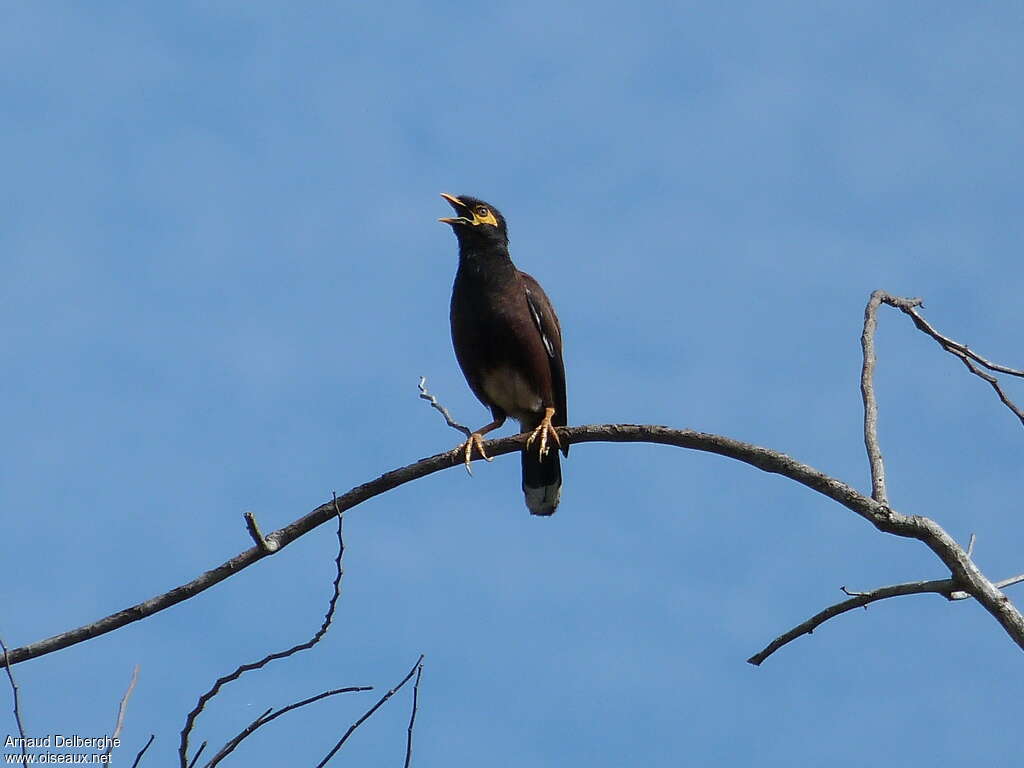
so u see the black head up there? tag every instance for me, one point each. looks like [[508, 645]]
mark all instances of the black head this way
[[476, 223]]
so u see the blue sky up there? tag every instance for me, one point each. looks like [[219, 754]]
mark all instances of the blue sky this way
[[223, 278]]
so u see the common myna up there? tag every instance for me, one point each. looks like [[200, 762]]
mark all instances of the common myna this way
[[509, 345]]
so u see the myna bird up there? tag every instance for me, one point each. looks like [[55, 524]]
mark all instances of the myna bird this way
[[509, 345]]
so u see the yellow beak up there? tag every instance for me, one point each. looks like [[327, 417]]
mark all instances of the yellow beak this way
[[457, 204]]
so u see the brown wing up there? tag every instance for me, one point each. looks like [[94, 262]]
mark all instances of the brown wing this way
[[546, 320]]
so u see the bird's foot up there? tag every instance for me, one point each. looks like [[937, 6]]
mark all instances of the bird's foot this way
[[543, 431], [466, 449]]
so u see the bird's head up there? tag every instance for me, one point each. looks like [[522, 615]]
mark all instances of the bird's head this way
[[476, 222]]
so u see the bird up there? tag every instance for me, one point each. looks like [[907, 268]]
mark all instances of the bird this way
[[508, 343]]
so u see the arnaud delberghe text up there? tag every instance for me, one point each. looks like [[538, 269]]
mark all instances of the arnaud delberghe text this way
[[60, 741]]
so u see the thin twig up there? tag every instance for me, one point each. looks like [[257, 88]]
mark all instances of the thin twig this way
[[425, 395], [1010, 581], [121, 709], [138, 757], [17, 703], [967, 356], [366, 715], [994, 382], [199, 751], [412, 715], [970, 546], [328, 618], [271, 715], [948, 588], [909, 307], [851, 593]]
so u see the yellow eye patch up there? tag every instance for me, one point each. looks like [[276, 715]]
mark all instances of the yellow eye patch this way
[[484, 216]]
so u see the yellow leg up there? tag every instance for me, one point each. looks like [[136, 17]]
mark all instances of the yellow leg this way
[[543, 431], [476, 438]]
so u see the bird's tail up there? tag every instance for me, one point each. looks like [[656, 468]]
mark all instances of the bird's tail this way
[[542, 480]]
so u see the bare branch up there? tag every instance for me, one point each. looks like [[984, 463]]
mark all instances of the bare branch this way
[[17, 702], [328, 618], [121, 709], [1001, 584], [994, 382], [138, 757], [425, 395], [909, 307], [199, 751], [366, 715], [962, 351], [867, 389], [859, 599], [412, 715], [271, 715], [882, 517], [945, 587]]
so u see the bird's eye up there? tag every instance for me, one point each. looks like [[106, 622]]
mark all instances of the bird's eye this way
[[482, 212]]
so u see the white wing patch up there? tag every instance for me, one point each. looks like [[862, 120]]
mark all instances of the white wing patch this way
[[536, 319]]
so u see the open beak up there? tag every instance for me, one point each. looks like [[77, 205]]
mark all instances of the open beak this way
[[459, 207]]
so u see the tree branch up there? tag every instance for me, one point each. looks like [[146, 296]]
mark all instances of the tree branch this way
[[138, 757], [867, 389], [339, 571], [412, 715], [122, 709], [945, 587], [967, 356], [17, 702], [967, 575], [271, 715], [940, 586], [369, 713], [425, 395]]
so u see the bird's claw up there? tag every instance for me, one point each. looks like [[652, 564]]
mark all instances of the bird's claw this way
[[467, 450], [543, 430]]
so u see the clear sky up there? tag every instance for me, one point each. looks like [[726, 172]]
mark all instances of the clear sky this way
[[223, 277]]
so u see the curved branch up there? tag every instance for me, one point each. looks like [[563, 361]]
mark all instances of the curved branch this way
[[966, 574], [945, 587], [857, 600]]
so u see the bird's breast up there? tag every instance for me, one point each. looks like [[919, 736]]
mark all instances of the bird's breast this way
[[512, 392]]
